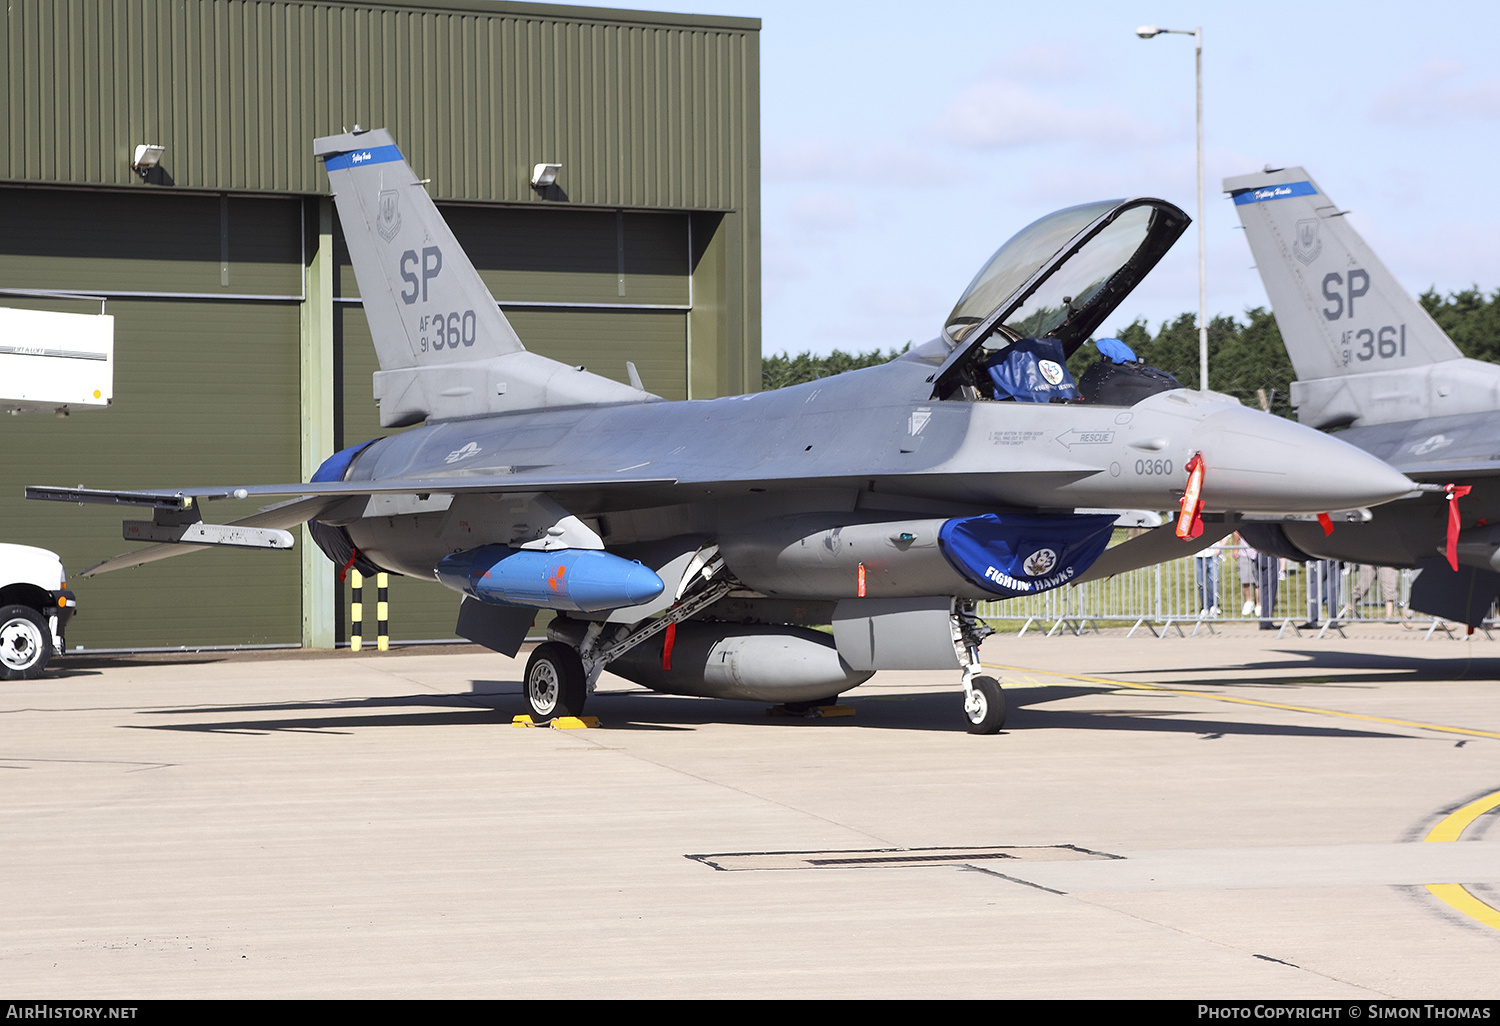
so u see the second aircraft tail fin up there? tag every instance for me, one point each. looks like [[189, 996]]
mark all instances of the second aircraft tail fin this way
[[1339, 309], [1364, 350]]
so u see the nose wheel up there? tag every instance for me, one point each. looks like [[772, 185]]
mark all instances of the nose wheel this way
[[984, 705], [555, 681]]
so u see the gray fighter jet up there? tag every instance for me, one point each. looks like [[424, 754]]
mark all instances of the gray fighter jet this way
[[1372, 362], [691, 546]]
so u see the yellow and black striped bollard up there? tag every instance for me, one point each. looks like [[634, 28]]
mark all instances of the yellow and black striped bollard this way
[[356, 611], [382, 612]]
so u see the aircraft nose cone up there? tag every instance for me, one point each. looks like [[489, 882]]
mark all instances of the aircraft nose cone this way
[[1257, 463]]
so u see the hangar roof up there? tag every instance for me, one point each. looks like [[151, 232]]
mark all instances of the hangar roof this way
[[642, 109]]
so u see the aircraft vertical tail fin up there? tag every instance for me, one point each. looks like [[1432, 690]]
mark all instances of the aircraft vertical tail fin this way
[[1364, 350], [445, 348], [1340, 311]]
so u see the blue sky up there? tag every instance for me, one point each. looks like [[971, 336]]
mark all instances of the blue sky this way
[[902, 143]]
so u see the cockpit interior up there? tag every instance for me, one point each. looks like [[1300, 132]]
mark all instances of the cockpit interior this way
[[1040, 298]]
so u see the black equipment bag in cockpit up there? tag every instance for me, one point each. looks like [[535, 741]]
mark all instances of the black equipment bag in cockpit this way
[[1122, 384]]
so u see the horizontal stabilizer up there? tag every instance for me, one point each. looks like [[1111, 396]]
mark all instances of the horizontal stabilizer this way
[[199, 533], [276, 518]]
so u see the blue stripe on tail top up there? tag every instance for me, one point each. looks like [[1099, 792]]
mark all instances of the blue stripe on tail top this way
[[359, 158], [1273, 192]]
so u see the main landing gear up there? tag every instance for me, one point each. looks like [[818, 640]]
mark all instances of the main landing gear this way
[[556, 684], [559, 676]]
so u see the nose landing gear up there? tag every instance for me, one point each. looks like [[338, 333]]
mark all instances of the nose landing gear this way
[[984, 705], [984, 702]]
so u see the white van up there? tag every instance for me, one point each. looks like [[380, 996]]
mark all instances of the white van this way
[[35, 606]]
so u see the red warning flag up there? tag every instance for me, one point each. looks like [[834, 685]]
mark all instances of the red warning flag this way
[[666, 646], [1190, 516], [1455, 492], [1327, 522]]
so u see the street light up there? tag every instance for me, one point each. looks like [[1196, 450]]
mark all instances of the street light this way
[[1147, 32]]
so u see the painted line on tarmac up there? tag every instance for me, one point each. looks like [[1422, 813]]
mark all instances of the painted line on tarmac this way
[[1457, 896], [1253, 701]]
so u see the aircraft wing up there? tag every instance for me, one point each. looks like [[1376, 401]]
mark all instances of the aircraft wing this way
[[182, 498], [176, 507]]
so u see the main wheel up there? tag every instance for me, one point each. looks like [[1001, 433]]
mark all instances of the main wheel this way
[[984, 705], [555, 684], [25, 643]]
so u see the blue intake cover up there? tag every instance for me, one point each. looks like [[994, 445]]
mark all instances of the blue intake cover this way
[[1032, 370], [1013, 554], [336, 466]]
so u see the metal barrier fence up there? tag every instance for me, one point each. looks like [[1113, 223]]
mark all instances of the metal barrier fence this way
[[1200, 591]]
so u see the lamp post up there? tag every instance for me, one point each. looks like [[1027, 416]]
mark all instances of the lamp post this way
[[1147, 32]]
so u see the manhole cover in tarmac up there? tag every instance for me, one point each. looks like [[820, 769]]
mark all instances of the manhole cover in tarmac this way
[[887, 858]]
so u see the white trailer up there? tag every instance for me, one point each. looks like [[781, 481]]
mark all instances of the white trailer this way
[[55, 362]]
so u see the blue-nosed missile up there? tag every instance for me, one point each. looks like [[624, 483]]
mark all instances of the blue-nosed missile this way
[[581, 580]]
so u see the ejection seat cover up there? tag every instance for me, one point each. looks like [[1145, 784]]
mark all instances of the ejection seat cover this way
[[1012, 554], [1032, 370]]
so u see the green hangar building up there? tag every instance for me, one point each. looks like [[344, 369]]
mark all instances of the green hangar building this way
[[242, 355]]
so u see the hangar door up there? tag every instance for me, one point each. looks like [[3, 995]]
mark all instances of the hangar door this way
[[590, 287], [204, 291]]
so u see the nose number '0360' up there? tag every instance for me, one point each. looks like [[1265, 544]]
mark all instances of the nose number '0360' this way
[[1153, 468]]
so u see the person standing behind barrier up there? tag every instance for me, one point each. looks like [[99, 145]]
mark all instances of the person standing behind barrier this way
[[1268, 571], [1323, 579], [1388, 587], [1206, 571], [1245, 562]]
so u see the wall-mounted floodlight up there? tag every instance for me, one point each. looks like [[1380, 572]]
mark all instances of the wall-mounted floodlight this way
[[1147, 31], [544, 175], [147, 156]]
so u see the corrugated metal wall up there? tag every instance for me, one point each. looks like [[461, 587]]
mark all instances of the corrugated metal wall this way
[[640, 113], [647, 250]]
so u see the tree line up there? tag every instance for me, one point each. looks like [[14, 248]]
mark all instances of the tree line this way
[[1245, 357]]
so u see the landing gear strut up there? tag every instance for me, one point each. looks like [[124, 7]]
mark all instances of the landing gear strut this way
[[560, 675], [984, 702]]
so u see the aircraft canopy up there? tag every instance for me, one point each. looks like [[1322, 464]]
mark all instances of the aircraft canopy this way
[[1061, 275]]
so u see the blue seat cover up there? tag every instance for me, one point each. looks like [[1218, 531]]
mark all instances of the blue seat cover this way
[[1011, 554], [1032, 370]]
